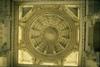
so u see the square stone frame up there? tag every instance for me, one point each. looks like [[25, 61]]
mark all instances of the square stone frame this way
[[14, 37]]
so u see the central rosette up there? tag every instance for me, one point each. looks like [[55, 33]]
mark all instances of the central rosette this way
[[50, 34]]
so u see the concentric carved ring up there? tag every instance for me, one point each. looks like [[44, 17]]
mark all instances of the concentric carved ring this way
[[49, 34]]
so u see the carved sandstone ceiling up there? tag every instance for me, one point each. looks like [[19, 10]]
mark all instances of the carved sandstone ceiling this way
[[49, 32]]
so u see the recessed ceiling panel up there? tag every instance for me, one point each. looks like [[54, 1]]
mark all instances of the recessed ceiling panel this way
[[49, 33]]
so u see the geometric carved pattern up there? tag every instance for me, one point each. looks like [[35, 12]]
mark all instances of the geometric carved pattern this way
[[50, 33]]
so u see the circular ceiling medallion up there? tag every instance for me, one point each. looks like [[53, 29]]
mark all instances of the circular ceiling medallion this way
[[49, 34]]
